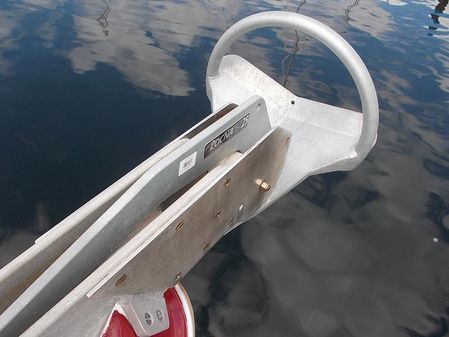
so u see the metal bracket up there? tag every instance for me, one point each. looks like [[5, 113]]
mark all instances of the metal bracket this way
[[121, 221], [164, 251], [146, 313]]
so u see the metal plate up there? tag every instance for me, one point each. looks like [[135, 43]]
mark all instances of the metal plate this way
[[27, 267], [147, 316], [324, 137], [118, 223], [172, 248]]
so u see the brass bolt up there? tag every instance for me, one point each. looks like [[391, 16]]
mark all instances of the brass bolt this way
[[179, 225], [121, 280], [264, 186]]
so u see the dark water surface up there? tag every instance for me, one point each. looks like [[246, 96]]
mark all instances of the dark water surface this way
[[88, 89]]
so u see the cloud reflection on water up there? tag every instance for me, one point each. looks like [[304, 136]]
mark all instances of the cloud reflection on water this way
[[344, 254]]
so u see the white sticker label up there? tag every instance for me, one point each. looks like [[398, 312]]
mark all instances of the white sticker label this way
[[187, 163]]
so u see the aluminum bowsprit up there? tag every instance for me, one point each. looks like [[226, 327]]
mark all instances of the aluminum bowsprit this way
[[113, 267]]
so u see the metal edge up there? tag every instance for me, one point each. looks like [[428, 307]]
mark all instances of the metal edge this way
[[188, 309]]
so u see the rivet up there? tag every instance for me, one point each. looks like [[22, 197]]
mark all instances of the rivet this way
[[227, 182], [121, 280], [206, 246], [217, 215], [178, 277], [179, 225]]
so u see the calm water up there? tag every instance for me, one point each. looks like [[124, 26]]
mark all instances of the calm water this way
[[90, 88]]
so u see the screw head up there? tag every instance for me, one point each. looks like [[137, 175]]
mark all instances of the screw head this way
[[148, 319], [159, 315], [227, 182], [206, 247], [217, 215]]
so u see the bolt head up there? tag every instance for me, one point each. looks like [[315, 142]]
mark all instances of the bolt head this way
[[264, 186]]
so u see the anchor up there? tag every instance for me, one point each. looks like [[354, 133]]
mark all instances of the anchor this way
[[113, 267]]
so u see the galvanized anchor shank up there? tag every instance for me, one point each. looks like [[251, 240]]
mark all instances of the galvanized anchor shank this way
[[119, 253]]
